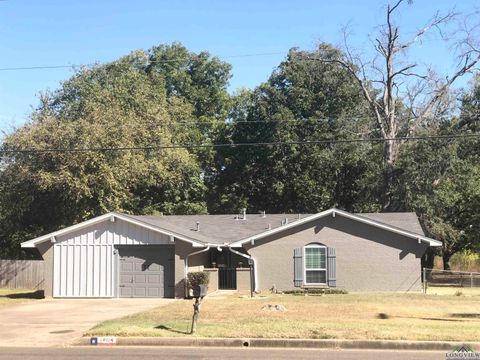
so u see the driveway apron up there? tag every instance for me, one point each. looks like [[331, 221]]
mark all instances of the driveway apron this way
[[57, 322]]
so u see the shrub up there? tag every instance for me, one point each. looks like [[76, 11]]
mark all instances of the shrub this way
[[317, 291], [198, 278], [466, 260]]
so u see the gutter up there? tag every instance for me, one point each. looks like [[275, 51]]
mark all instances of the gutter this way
[[254, 265], [186, 265]]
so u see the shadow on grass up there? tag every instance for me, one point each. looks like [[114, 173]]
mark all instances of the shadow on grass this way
[[39, 294], [168, 328], [467, 315], [384, 316]]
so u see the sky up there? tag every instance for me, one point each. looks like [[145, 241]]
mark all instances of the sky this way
[[47, 32]]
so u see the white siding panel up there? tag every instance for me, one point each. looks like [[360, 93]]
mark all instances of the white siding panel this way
[[96, 270], [69, 270], [108, 273], [64, 255], [89, 274], [84, 260], [57, 270], [82, 292], [103, 271], [76, 270]]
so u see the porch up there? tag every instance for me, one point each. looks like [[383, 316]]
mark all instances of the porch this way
[[228, 271]]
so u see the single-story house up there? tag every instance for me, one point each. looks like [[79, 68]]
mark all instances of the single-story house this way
[[120, 255]]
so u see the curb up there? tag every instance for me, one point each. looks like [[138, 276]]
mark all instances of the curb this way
[[289, 343]]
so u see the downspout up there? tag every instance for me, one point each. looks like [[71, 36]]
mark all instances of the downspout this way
[[186, 265], [254, 265]]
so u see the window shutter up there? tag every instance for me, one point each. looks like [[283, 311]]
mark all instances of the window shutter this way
[[298, 267], [331, 267]]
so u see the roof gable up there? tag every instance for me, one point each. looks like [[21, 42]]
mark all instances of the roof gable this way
[[106, 217], [360, 218]]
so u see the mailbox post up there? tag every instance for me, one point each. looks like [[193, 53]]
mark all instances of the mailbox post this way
[[199, 292]]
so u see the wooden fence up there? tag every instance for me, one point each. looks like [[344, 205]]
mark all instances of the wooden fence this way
[[21, 274]]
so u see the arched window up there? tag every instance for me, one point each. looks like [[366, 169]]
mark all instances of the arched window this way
[[315, 264]]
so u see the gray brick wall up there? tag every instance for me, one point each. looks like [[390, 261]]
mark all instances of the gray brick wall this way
[[368, 258]]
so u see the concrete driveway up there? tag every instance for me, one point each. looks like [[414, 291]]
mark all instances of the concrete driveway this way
[[56, 322]]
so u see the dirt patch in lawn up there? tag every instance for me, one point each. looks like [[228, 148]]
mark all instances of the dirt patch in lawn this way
[[348, 316]]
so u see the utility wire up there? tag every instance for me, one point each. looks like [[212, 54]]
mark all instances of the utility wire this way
[[44, 67], [266, 121], [233, 145]]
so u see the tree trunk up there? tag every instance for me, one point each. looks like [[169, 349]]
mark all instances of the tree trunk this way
[[390, 157], [428, 259], [392, 150], [196, 311], [387, 188], [446, 258]]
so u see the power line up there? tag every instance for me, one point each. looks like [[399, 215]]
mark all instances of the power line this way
[[45, 67], [233, 145], [304, 120]]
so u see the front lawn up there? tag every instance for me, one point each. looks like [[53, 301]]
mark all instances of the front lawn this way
[[451, 290], [350, 316], [15, 296]]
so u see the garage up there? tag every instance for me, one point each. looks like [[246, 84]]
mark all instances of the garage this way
[[118, 256], [146, 271], [113, 258]]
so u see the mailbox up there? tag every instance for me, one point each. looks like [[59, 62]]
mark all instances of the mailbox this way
[[200, 291]]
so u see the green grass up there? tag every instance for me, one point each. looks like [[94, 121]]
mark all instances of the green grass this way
[[349, 316], [15, 296]]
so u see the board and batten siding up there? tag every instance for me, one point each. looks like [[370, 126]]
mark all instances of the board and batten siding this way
[[85, 262]]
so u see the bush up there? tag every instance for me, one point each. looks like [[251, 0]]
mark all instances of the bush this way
[[466, 260], [317, 291], [198, 278]]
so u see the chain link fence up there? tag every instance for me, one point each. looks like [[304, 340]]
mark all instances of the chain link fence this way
[[450, 279]]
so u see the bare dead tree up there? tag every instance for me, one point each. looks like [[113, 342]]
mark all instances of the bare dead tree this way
[[401, 94]]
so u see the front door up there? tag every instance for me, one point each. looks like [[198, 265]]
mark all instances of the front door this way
[[146, 271], [227, 278]]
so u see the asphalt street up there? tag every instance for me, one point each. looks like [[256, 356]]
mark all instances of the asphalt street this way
[[147, 353]]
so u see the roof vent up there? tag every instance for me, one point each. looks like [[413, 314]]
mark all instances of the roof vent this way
[[264, 215], [198, 226], [286, 221], [244, 214]]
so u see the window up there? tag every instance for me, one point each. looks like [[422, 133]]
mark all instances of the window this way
[[315, 264]]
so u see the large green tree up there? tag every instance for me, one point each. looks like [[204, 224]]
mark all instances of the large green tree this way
[[440, 179], [149, 98], [302, 100]]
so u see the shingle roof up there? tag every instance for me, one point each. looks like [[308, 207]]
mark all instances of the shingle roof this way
[[402, 220], [220, 229], [234, 231], [217, 229]]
